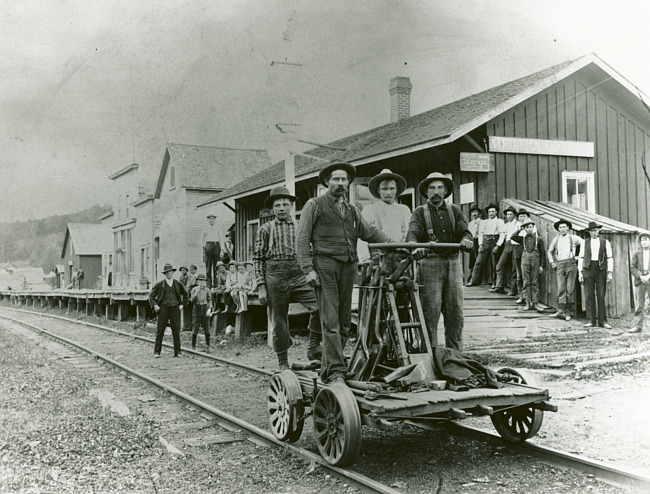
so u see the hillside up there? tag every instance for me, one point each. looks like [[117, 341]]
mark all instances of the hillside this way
[[39, 242]]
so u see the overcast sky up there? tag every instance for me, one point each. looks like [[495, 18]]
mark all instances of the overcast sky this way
[[90, 86]]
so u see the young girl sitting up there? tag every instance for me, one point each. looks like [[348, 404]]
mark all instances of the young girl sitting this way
[[230, 294]]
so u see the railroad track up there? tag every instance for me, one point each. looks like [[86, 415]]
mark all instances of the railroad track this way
[[607, 473]]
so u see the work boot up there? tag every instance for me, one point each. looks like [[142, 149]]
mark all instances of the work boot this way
[[207, 341], [314, 350], [538, 307], [520, 301], [512, 292], [283, 360], [497, 289], [527, 306], [193, 342]]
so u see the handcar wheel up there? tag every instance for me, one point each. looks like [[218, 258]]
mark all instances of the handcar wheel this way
[[520, 423], [286, 409], [337, 425]]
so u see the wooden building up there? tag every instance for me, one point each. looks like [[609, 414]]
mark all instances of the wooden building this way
[[83, 246], [575, 133], [622, 237]]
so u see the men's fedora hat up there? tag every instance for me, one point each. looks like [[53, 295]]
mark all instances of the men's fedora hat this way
[[325, 173], [562, 221], [200, 277], [526, 223], [475, 208], [424, 185], [386, 174], [211, 215], [492, 206], [511, 209], [523, 211], [168, 267], [593, 226], [277, 193]]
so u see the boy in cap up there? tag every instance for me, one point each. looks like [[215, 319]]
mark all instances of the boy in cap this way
[[595, 270], [200, 297], [533, 260], [562, 256], [440, 272], [491, 235], [167, 299], [640, 270], [332, 227], [279, 278], [522, 217]]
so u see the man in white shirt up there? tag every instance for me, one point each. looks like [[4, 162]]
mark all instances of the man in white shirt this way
[[491, 235], [561, 256], [595, 268], [212, 240], [512, 226], [388, 215], [640, 269], [473, 225]]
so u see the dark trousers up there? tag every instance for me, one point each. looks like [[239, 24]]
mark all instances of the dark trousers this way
[[516, 260], [442, 292], [530, 273], [285, 283], [200, 318], [472, 259], [485, 256], [171, 315], [211, 255], [595, 290], [505, 259], [334, 297], [640, 290]]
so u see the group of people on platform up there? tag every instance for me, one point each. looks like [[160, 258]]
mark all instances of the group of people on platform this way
[[314, 262]]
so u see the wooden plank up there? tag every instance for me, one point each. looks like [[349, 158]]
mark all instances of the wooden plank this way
[[642, 185], [623, 199], [613, 187], [570, 122], [555, 176], [632, 175], [532, 162], [544, 192], [602, 172]]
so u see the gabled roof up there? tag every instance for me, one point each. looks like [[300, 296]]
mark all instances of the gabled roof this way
[[88, 238], [579, 218], [425, 130], [205, 167]]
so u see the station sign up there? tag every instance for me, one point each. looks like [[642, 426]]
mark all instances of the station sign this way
[[476, 162], [517, 145]]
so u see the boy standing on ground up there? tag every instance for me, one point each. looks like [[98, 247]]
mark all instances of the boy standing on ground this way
[[199, 298], [561, 256], [533, 261]]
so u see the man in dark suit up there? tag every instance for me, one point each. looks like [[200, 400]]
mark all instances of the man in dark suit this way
[[640, 269], [167, 298], [595, 270]]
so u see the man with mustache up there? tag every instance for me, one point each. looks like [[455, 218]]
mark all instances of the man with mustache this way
[[441, 275], [332, 226], [491, 235]]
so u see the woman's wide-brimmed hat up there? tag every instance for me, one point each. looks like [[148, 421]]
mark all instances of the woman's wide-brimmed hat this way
[[168, 267], [277, 193], [424, 185], [386, 174], [562, 221], [325, 173]]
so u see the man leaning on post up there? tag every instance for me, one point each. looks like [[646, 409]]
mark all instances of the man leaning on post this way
[[441, 274], [332, 226], [167, 298]]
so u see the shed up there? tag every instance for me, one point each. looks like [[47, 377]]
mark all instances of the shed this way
[[622, 236], [83, 246]]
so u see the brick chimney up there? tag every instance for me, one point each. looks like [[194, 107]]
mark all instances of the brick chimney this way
[[400, 98]]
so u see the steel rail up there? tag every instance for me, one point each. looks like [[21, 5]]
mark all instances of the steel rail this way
[[358, 480], [617, 476]]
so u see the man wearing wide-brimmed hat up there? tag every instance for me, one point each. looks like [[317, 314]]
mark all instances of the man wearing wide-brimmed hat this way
[[332, 226], [533, 262], [511, 227], [212, 239], [595, 270], [562, 257], [640, 270], [522, 216], [279, 278], [387, 214], [167, 298], [491, 236], [441, 274]]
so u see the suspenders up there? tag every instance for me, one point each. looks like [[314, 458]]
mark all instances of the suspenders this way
[[429, 222]]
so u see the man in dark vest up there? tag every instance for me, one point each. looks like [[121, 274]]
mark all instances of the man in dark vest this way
[[167, 298], [441, 275], [332, 226], [595, 268]]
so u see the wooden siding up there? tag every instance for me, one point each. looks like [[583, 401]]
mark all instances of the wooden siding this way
[[575, 109]]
